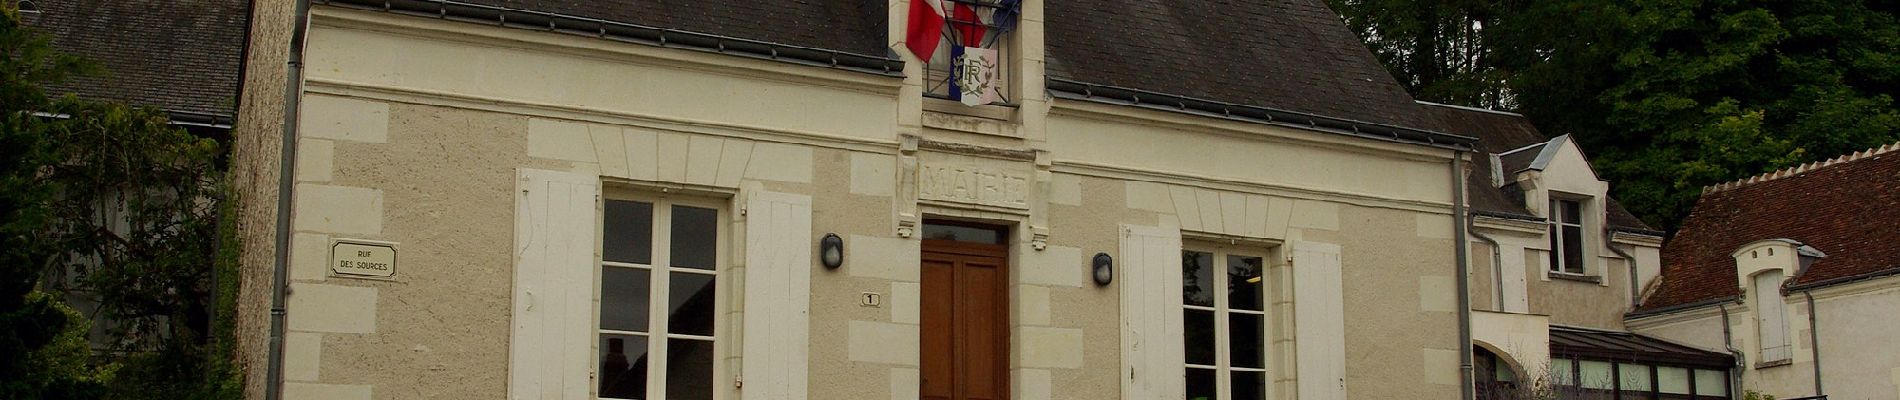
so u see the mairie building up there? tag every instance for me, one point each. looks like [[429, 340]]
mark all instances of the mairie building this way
[[1140, 199]]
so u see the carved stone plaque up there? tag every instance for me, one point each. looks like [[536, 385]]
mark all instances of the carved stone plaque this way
[[974, 184]]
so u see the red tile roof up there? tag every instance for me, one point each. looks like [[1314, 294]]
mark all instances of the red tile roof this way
[[1845, 207]]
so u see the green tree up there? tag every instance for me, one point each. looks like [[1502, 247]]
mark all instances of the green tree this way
[[1669, 96], [112, 204]]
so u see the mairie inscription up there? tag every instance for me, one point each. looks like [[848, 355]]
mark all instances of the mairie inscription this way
[[973, 185]]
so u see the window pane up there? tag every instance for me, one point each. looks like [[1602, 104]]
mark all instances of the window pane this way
[[623, 366], [961, 233], [1247, 338], [1250, 385], [1562, 372], [628, 232], [1573, 249], [1672, 380], [1197, 278], [1200, 337], [689, 369], [1200, 384], [623, 298], [1633, 377], [1572, 211], [690, 309], [1595, 375], [695, 237], [1711, 382], [1244, 283]]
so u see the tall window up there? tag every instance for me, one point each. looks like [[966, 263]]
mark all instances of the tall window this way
[[659, 267], [1224, 296], [1566, 236]]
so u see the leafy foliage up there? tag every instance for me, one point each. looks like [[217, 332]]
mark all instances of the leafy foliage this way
[[1667, 96], [113, 209]]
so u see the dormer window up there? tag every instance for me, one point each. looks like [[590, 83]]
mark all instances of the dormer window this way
[[1566, 236]]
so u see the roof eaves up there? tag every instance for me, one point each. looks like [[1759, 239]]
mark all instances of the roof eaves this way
[[633, 33], [1482, 110], [1680, 307], [1106, 94], [1845, 279]]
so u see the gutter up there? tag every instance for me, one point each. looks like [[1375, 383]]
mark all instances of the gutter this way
[[1463, 248], [1681, 307], [1497, 271], [286, 177], [1106, 94], [1636, 295], [1814, 337]]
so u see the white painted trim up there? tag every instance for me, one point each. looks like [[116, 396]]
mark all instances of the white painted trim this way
[[556, 244], [778, 267]]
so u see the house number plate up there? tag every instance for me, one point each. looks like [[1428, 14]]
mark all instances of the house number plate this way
[[363, 258]]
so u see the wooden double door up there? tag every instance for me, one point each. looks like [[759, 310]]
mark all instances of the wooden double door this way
[[965, 321]]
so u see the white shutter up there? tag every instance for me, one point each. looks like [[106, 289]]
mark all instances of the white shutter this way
[[1149, 273], [549, 353], [1319, 321], [1771, 319], [777, 295]]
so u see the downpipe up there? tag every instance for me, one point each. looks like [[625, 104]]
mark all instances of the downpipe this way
[[286, 176], [1741, 360], [1463, 249], [1636, 295], [1497, 271], [1814, 338]]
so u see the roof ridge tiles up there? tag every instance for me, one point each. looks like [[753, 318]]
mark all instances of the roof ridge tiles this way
[[1801, 169]]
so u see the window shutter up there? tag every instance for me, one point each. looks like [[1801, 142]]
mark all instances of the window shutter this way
[[778, 267], [1319, 321], [549, 352], [1771, 319], [1153, 362]]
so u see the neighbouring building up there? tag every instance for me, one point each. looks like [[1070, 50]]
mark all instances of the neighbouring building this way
[[723, 199], [1555, 265], [1796, 272], [181, 60]]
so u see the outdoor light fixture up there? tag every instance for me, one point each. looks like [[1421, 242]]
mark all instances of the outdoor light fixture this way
[[1104, 269], [831, 251]]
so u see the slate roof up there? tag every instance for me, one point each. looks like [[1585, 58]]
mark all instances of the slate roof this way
[[178, 56], [1294, 55], [856, 26], [1499, 132], [1625, 346], [1843, 207]]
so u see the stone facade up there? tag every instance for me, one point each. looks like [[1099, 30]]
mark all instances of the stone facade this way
[[437, 135]]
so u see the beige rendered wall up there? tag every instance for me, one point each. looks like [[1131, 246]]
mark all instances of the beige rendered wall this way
[[1858, 358], [1585, 304], [256, 136], [414, 130]]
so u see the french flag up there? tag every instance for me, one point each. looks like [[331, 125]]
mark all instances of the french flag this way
[[923, 29], [926, 26]]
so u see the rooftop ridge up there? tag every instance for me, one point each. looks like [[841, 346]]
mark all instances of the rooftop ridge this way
[[1803, 168]]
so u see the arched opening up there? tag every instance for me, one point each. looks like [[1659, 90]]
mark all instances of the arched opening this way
[[1495, 377]]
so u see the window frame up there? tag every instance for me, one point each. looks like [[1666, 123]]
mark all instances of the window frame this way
[[1223, 340], [659, 277], [1617, 391], [1555, 220]]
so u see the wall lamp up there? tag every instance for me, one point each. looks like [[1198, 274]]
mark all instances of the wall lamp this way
[[831, 251], [1104, 268]]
